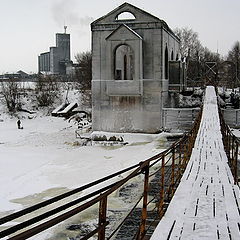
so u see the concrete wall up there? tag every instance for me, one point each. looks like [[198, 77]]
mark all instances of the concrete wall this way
[[129, 107], [179, 119], [172, 45], [232, 117]]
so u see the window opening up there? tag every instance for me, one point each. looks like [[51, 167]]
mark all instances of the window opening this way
[[172, 56], [125, 16], [124, 64], [166, 63], [177, 57]]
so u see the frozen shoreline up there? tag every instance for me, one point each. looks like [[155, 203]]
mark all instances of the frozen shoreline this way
[[42, 157]]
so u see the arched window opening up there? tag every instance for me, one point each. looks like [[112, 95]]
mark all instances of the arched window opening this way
[[172, 56], [124, 66], [177, 57], [166, 62], [125, 16]]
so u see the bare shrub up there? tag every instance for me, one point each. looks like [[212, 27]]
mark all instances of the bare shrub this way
[[84, 70], [10, 91], [47, 90]]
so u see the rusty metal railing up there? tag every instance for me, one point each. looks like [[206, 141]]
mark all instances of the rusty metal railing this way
[[231, 145], [168, 165]]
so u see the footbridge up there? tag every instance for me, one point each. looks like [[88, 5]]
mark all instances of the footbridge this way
[[206, 202], [189, 191]]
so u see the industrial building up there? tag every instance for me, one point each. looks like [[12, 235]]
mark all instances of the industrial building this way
[[58, 58]]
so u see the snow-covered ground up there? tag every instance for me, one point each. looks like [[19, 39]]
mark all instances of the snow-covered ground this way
[[43, 156], [44, 159]]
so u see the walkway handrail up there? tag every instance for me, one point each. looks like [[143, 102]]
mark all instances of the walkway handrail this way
[[62, 196], [231, 145], [170, 164]]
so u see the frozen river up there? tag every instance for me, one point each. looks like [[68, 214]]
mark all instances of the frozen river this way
[[43, 160]]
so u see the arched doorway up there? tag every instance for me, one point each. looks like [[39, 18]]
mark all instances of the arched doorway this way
[[124, 63]]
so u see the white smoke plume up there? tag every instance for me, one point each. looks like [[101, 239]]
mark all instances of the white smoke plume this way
[[64, 12]]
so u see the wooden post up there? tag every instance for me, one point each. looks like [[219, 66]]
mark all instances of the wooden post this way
[[102, 218], [161, 202], [145, 198]]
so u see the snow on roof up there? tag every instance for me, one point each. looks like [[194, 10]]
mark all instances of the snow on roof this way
[[58, 108], [69, 107], [132, 31], [128, 28]]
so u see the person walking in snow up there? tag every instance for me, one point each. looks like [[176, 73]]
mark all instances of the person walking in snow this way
[[19, 124]]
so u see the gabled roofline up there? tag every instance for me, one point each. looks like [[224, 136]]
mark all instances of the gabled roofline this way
[[124, 25], [164, 24], [121, 6]]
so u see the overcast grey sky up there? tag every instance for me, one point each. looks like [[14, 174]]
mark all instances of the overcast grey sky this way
[[28, 27]]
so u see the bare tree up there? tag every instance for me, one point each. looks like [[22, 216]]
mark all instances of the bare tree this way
[[234, 56], [190, 46], [191, 50], [47, 90], [195, 54], [84, 70], [84, 77], [10, 91]]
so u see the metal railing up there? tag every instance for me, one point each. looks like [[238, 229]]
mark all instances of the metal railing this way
[[231, 145], [169, 165]]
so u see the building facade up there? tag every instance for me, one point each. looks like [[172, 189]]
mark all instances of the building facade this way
[[131, 50], [56, 60]]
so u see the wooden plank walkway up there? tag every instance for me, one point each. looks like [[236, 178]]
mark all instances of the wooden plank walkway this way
[[206, 203]]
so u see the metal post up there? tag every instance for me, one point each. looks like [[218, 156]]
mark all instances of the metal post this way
[[233, 153], [102, 218], [188, 150], [144, 209], [224, 134], [161, 203], [173, 172], [179, 161], [236, 165], [229, 144], [184, 156]]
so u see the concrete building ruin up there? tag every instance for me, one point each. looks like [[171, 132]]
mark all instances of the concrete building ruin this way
[[58, 58], [134, 56]]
